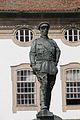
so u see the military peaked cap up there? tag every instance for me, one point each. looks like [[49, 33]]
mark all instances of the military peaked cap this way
[[42, 24]]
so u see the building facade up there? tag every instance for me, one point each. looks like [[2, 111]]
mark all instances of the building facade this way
[[19, 88]]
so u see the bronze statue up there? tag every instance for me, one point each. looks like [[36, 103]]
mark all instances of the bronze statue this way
[[44, 57]]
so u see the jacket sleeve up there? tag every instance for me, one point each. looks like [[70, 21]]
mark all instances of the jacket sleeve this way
[[58, 52], [32, 53]]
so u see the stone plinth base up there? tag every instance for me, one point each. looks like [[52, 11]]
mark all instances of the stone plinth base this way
[[54, 118], [46, 115]]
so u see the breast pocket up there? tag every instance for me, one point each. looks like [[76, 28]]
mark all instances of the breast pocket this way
[[39, 48], [40, 51]]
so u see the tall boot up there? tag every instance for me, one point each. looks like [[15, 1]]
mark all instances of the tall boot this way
[[44, 112], [48, 98], [43, 98]]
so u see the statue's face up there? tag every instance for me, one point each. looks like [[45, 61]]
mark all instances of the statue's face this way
[[44, 30]]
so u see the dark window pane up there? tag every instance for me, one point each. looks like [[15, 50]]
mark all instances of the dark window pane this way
[[29, 101], [79, 35], [18, 89], [70, 32], [22, 90], [75, 32], [29, 84], [26, 102], [25, 84], [26, 32], [74, 84], [74, 89], [78, 84], [31, 37], [21, 84], [75, 95], [27, 38], [21, 32], [67, 95], [70, 38], [22, 101], [67, 89], [71, 84], [22, 96], [18, 96], [29, 89], [71, 95], [17, 34], [22, 79], [32, 89], [26, 90], [66, 35], [67, 84], [73, 101], [29, 96], [78, 89], [32, 101], [18, 85], [75, 38], [22, 38], [18, 73], [18, 101], [33, 96], [16, 37], [25, 72], [29, 72], [78, 95], [21, 72], [32, 84], [25, 95]]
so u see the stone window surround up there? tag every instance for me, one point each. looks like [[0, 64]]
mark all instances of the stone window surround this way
[[55, 32], [19, 43], [16, 108], [63, 69], [70, 43]]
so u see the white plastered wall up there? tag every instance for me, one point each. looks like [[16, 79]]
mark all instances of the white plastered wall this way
[[12, 54]]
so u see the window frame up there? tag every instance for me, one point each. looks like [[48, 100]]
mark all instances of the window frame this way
[[63, 69], [15, 106], [71, 43], [18, 42]]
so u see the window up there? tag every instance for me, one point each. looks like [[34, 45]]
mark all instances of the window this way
[[70, 76], [23, 36], [73, 87], [25, 88], [71, 36]]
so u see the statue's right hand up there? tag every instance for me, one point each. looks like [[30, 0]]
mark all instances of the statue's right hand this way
[[32, 65], [36, 66], [34, 69]]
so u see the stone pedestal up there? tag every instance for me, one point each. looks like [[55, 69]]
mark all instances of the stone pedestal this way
[[46, 115], [54, 118]]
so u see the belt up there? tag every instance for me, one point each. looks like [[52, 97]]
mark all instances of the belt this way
[[45, 60]]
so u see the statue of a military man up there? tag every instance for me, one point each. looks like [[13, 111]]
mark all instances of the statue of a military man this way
[[44, 57]]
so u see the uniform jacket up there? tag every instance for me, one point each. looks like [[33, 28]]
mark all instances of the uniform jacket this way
[[44, 55]]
